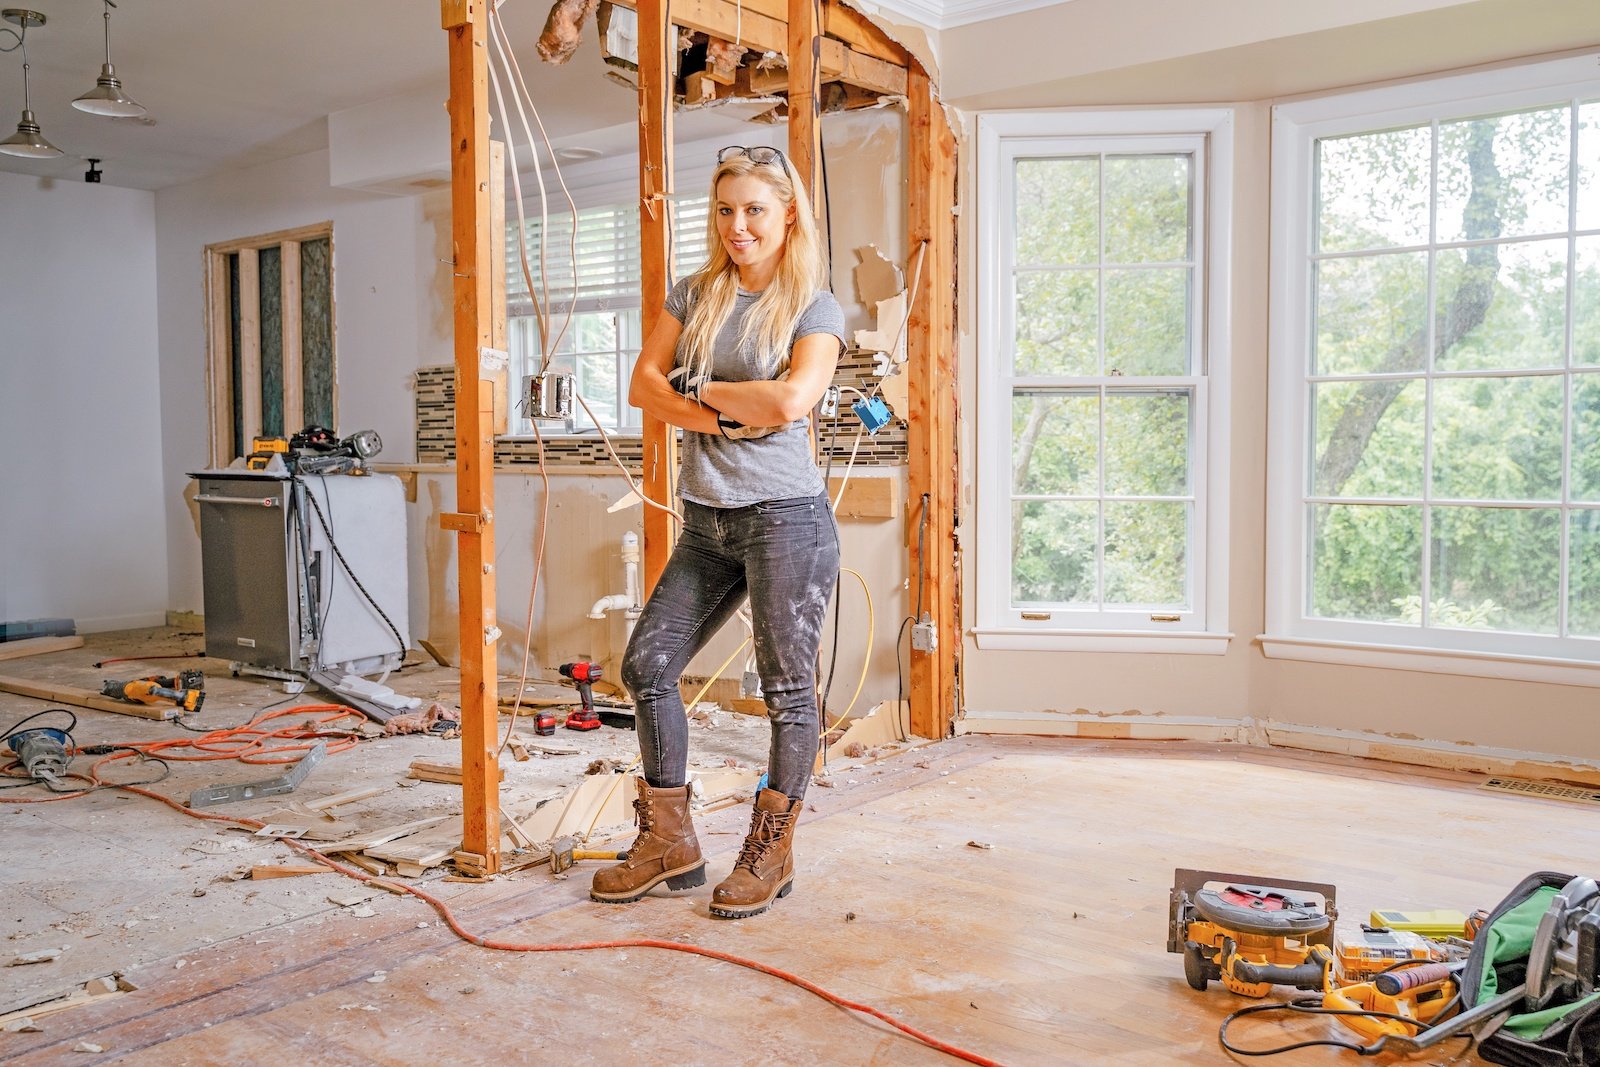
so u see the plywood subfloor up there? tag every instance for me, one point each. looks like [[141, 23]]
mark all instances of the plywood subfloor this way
[[1048, 948]]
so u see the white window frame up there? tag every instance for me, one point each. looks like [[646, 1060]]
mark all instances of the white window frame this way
[[1290, 632], [1003, 137]]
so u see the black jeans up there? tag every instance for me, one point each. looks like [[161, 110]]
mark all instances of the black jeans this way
[[783, 554]]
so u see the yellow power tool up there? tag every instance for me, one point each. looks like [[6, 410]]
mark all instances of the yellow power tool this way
[[1251, 936], [186, 690], [262, 449]]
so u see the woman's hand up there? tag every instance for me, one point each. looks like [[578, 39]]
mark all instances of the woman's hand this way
[[652, 393], [812, 361]]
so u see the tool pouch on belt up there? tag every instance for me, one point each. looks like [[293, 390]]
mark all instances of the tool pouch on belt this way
[[1562, 1034]]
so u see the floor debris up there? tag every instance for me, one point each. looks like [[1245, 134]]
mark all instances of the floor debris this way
[[44, 955]]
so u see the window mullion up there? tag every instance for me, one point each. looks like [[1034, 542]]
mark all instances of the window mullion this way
[[1100, 366], [1564, 572], [1428, 365]]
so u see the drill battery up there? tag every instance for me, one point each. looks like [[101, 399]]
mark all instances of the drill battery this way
[[1373, 949]]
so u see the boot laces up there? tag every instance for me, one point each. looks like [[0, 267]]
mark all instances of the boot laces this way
[[644, 814], [766, 829]]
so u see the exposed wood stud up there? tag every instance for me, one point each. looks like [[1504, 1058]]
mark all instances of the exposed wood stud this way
[[655, 186], [249, 346], [930, 348], [805, 133], [219, 368], [471, 216]]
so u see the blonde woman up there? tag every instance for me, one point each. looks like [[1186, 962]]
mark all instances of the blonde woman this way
[[748, 347]]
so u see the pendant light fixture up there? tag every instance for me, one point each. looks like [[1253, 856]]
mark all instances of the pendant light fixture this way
[[28, 141], [107, 97]]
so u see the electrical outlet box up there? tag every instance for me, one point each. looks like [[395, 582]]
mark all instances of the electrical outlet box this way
[[925, 634], [548, 395], [873, 413]]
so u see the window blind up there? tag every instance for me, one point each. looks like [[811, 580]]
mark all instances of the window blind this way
[[600, 269]]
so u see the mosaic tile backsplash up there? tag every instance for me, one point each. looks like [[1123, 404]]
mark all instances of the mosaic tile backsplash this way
[[436, 429]]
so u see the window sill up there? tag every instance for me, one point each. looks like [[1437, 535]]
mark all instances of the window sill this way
[[1138, 641], [1433, 660]]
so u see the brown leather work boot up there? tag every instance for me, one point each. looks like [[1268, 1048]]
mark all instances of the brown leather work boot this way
[[764, 870], [665, 850]]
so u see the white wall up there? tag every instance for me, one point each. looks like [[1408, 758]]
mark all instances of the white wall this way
[[83, 528], [389, 313]]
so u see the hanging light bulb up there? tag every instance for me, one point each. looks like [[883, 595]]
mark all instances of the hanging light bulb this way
[[107, 97], [28, 141]]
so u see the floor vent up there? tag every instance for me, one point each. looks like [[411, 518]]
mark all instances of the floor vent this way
[[1544, 789]]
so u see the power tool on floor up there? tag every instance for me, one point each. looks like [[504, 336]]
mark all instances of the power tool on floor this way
[[1396, 1003], [1249, 935], [583, 675], [186, 690], [1562, 967], [42, 752]]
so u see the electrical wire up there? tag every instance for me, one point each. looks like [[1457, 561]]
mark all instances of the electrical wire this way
[[1313, 1006], [866, 658], [533, 593], [444, 912], [7, 733], [316, 507], [147, 659]]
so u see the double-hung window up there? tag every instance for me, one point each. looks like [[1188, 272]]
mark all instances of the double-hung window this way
[[1102, 390], [1434, 499], [586, 289]]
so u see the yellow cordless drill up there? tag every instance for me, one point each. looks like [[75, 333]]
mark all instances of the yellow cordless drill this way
[[186, 690]]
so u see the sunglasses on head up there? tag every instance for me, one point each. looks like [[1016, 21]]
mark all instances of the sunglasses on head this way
[[756, 155]]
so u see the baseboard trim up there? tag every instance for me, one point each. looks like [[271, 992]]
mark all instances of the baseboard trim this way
[[186, 620], [1421, 752]]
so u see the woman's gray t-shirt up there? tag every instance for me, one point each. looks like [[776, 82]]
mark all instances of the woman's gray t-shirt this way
[[723, 473]]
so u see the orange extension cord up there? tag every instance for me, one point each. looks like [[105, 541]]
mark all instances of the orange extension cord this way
[[250, 743]]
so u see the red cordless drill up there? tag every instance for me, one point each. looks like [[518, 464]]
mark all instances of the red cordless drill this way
[[582, 674]]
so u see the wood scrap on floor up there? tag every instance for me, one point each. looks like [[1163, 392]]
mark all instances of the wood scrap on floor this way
[[38, 646], [82, 698], [415, 853], [350, 797], [287, 870], [94, 991], [440, 771], [382, 836]]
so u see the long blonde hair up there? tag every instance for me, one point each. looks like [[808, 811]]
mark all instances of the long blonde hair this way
[[713, 288]]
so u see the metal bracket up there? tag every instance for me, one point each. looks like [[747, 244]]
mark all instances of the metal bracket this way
[[286, 783]]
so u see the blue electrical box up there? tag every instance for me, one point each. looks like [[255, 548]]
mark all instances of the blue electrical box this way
[[873, 413]]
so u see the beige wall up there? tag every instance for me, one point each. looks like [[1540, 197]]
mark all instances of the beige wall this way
[[1103, 59]]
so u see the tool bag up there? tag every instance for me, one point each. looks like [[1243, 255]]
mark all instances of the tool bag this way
[[1560, 1035]]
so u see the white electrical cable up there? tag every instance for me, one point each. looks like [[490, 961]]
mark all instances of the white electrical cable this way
[[503, 45]]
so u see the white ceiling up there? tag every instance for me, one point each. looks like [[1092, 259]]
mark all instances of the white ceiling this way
[[232, 83]]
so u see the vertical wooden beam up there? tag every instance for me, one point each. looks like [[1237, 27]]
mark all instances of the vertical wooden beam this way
[[294, 417], [219, 321], [249, 347], [930, 346], [805, 132], [466, 24], [657, 54]]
